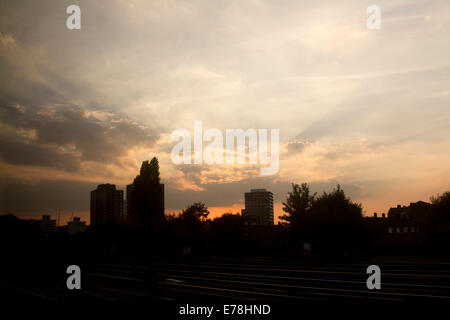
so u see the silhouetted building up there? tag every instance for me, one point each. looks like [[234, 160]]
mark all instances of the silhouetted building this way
[[402, 229], [128, 200], [145, 203], [106, 205], [258, 207], [47, 225], [76, 226], [375, 215], [407, 219]]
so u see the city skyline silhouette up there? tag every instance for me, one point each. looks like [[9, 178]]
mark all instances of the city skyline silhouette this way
[[193, 155]]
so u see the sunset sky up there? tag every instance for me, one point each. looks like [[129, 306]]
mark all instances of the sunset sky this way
[[369, 109]]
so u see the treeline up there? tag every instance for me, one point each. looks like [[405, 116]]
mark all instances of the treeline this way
[[329, 223], [438, 225], [326, 224]]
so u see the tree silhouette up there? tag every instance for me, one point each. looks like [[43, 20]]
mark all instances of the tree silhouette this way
[[227, 233], [440, 212], [439, 224], [332, 222], [149, 172], [335, 207], [196, 212], [297, 204], [188, 227], [336, 222], [147, 196]]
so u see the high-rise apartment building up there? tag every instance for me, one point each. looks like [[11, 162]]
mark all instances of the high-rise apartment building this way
[[259, 207], [106, 205]]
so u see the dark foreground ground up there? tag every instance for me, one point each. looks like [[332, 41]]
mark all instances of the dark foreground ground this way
[[283, 284]]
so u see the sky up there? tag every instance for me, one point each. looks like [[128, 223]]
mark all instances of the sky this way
[[368, 109]]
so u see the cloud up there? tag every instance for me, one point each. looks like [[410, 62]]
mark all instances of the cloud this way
[[35, 155], [43, 197], [66, 136], [297, 147], [351, 104], [229, 193]]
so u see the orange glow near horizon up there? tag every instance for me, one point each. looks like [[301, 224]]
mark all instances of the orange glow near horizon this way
[[375, 206]]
